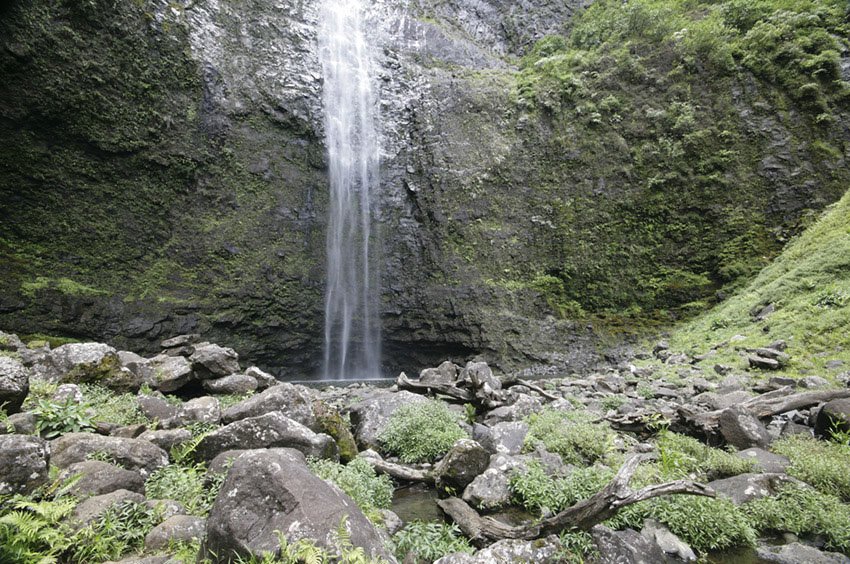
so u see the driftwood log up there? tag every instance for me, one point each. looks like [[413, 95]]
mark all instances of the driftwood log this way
[[398, 471], [481, 398], [764, 405], [449, 390], [581, 516]]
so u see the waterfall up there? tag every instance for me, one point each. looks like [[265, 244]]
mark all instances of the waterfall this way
[[352, 328]]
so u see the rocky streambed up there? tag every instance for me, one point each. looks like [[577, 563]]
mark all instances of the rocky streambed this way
[[188, 455]]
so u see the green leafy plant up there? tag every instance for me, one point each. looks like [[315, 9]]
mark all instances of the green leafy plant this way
[[680, 455], [56, 418], [803, 511], [823, 464], [370, 491], [120, 529], [577, 547], [536, 491], [613, 402], [572, 434], [427, 542], [421, 432], [106, 405], [32, 531], [184, 452], [185, 484]]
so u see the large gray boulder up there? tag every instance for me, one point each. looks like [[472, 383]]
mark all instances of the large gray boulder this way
[[295, 402], [464, 461], [212, 361], [627, 547], [233, 384], [170, 373], [371, 415], [132, 454], [176, 529], [89, 510], [166, 439], [14, 384], [833, 416], [266, 431], [540, 551], [490, 490], [264, 379], [206, 409], [98, 478], [796, 553], [24, 461], [502, 438], [748, 487], [743, 430], [272, 491], [92, 363]]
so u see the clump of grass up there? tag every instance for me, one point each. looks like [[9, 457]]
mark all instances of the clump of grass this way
[[680, 455], [107, 406], [536, 491], [803, 511], [421, 432], [571, 434], [823, 464], [185, 484], [427, 542], [370, 491]]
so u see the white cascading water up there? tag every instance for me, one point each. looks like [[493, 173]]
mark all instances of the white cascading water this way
[[352, 329]]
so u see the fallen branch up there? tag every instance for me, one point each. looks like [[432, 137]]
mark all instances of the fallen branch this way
[[398, 471], [459, 394], [538, 389], [582, 516]]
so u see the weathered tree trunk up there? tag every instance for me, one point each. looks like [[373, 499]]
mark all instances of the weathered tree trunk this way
[[581, 516], [398, 471]]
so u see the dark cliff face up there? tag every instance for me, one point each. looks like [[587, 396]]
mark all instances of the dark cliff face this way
[[163, 171]]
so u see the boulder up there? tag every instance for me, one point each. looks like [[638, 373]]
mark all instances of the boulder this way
[[14, 384], [180, 341], [170, 373], [129, 431], [669, 543], [272, 491], [765, 461], [626, 547], [293, 401], [464, 461], [138, 365], [67, 393], [92, 363], [813, 382], [132, 454], [155, 408], [796, 553], [23, 464], [166, 439], [371, 415], [763, 363], [94, 507], [266, 431], [747, 487], [743, 430], [98, 478], [233, 384], [490, 490], [445, 374], [330, 422], [199, 410], [23, 423], [540, 551], [834, 415], [504, 438], [176, 529], [212, 361], [264, 379], [481, 377], [524, 406]]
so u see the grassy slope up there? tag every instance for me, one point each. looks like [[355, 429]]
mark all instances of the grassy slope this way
[[809, 285]]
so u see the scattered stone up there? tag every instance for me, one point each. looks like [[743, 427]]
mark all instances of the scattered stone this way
[[233, 384], [669, 543], [464, 461], [138, 365], [813, 382], [524, 406], [23, 423], [834, 415], [447, 373], [98, 478], [92, 363], [166, 439], [14, 384], [371, 415], [481, 377], [180, 341], [264, 379], [156, 408], [266, 431], [67, 393], [129, 431], [540, 551], [330, 422], [132, 454], [747, 487], [170, 373], [792, 428], [627, 546], [796, 553], [24, 463], [763, 363], [392, 522], [199, 410], [743, 430], [212, 361], [722, 369], [834, 364], [777, 382], [166, 507], [89, 510], [272, 491], [176, 529], [296, 402], [765, 461], [490, 489], [505, 438]]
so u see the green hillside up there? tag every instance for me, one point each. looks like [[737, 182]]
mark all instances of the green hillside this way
[[809, 287]]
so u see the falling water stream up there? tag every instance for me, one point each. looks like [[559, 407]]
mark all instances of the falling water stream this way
[[352, 330]]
